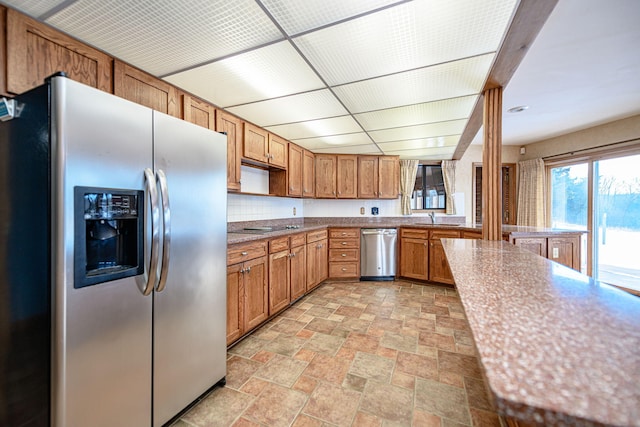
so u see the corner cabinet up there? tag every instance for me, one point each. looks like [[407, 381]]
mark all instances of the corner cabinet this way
[[35, 51], [561, 247]]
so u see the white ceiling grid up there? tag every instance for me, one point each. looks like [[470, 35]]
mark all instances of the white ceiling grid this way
[[358, 76]]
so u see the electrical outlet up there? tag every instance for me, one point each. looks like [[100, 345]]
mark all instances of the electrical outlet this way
[[294, 211], [555, 253], [362, 210]]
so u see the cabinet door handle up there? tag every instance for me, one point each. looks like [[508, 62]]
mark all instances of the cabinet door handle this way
[[242, 271], [344, 234], [248, 270], [344, 254], [343, 243], [334, 193], [244, 253], [425, 244], [344, 269]]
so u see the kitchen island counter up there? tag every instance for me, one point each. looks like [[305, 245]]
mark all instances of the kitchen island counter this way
[[556, 347]]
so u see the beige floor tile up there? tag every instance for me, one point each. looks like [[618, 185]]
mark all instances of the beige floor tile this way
[[327, 368], [281, 370], [220, 408], [276, 406], [333, 404], [388, 402], [443, 400]]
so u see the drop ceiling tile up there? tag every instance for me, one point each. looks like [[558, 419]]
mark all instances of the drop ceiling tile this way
[[290, 109], [421, 143], [165, 36], [428, 112], [411, 35], [269, 72], [354, 149], [450, 80], [34, 8], [296, 16], [312, 128], [350, 139], [452, 127]]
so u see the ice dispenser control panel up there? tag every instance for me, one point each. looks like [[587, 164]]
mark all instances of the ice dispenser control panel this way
[[109, 226]]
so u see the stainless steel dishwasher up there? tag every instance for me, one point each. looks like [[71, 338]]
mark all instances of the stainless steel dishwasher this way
[[378, 253]]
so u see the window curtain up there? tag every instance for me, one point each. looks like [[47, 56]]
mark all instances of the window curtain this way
[[531, 193], [449, 177], [408, 172]]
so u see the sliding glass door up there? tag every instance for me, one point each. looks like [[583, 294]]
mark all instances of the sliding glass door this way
[[617, 221], [601, 195]]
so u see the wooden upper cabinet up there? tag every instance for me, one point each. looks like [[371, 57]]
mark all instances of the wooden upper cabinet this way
[[255, 143], [36, 51], [294, 171], [198, 112], [232, 125], [367, 177], [142, 88], [278, 151], [308, 174], [388, 177], [325, 169], [347, 176]]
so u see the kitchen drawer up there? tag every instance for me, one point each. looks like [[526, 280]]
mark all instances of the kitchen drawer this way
[[472, 234], [343, 233], [344, 255], [279, 244], [443, 234], [314, 236], [343, 269], [344, 243], [297, 240], [414, 233], [246, 251]]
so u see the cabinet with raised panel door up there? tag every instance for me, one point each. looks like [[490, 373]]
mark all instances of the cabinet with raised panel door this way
[[388, 177], [277, 151], [298, 265], [414, 253], [344, 253], [232, 125], [144, 89], [294, 171], [308, 174], [439, 270], [247, 288], [279, 274], [325, 173], [317, 258], [378, 177], [198, 112], [34, 51], [347, 176]]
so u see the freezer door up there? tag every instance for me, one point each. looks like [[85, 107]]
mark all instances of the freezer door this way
[[102, 333], [190, 312]]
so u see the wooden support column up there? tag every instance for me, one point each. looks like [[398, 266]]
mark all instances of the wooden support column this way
[[491, 165]]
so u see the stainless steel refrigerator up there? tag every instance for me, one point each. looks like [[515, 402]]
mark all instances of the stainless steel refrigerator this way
[[112, 260]]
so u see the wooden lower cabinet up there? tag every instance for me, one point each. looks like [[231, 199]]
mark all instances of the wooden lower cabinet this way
[[298, 271], [248, 282], [439, 270], [317, 259], [561, 248], [279, 281], [414, 256], [344, 253]]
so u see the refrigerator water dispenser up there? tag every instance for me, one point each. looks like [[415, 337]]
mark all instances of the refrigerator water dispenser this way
[[108, 235]]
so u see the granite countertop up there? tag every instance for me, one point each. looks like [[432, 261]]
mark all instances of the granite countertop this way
[[556, 347], [310, 224]]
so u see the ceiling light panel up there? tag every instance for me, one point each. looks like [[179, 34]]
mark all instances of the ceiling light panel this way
[[272, 71], [356, 149], [34, 8], [165, 36], [312, 128], [407, 36], [452, 127], [450, 80], [421, 143], [296, 16], [290, 109], [350, 139], [428, 112]]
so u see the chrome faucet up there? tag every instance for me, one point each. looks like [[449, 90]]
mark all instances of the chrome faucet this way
[[433, 217]]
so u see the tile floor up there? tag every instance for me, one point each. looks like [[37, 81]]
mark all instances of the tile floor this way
[[355, 354]]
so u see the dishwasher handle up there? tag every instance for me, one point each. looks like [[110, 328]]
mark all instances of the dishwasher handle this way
[[378, 231]]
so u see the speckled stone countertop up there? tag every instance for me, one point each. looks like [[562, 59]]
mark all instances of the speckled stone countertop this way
[[310, 224], [557, 347]]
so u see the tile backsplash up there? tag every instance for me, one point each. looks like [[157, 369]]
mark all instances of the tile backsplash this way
[[242, 207]]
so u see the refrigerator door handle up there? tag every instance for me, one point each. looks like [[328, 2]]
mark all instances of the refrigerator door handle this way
[[166, 226], [155, 235]]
